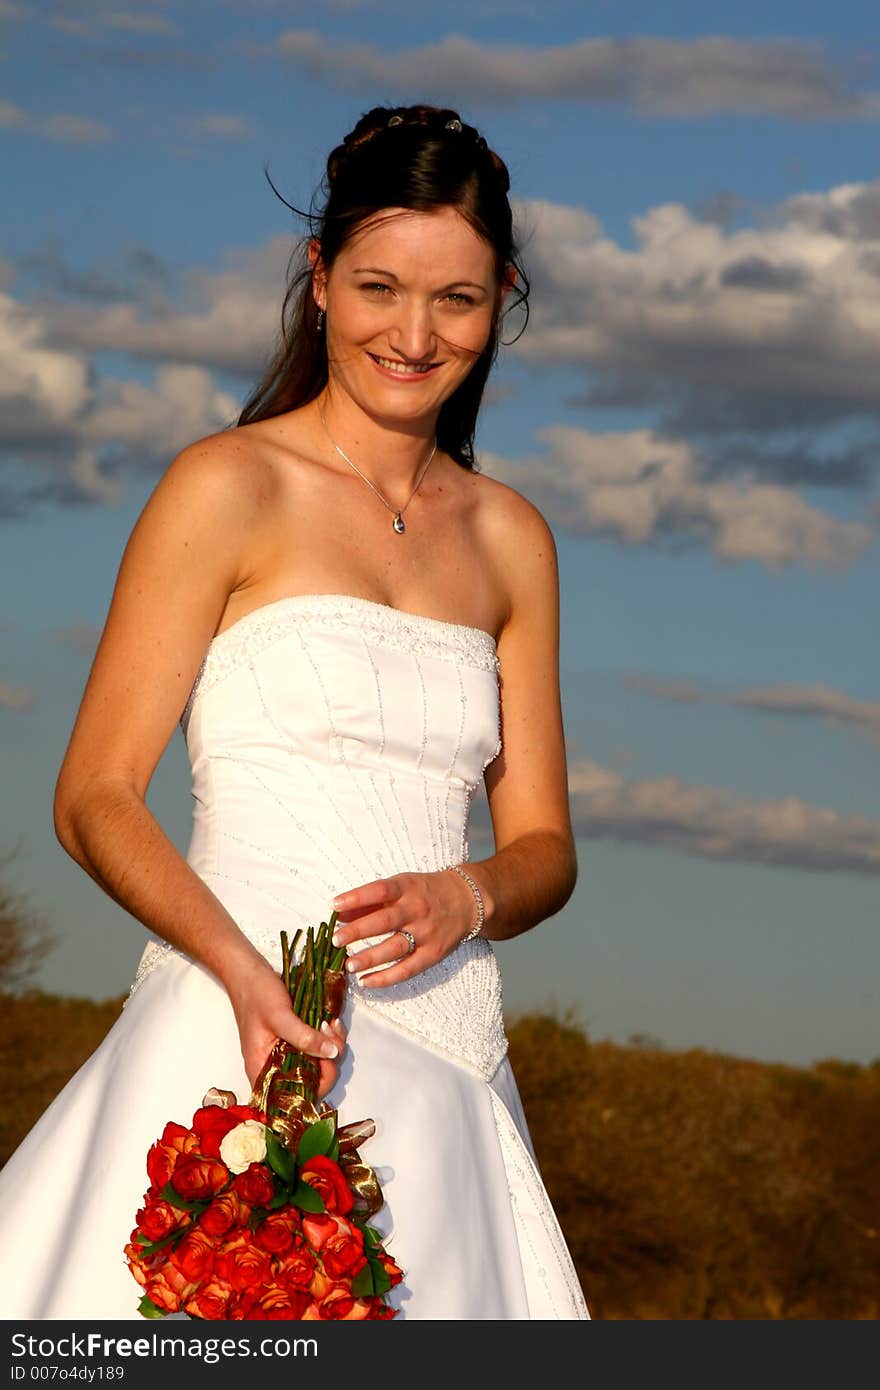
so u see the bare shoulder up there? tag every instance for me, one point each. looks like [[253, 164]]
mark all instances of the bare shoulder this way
[[520, 545]]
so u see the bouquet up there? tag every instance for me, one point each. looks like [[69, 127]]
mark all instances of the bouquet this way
[[261, 1211]]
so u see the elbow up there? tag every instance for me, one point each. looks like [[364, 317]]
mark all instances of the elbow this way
[[63, 819]]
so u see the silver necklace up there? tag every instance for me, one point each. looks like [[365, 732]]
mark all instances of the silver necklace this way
[[398, 523]]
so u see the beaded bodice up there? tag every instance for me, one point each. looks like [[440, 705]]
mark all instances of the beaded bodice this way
[[334, 740]]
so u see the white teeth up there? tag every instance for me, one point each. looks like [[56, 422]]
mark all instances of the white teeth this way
[[400, 367]]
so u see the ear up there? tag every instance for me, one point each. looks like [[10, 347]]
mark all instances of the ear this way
[[508, 283], [319, 273]]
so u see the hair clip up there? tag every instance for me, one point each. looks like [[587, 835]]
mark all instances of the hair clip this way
[[395, 120], [454, 124]]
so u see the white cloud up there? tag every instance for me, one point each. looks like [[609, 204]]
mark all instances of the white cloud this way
[[642, 489], [58, 416], [711, 823], [785, 700], [787, 77], [774, 326], [18, 698], [69, 130]]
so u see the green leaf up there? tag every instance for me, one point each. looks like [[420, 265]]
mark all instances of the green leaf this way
[[317, 1139], [279, 1200], [149, 1247], [170, 1195], [148, 1309], [306, 1198], [372, 1237], [362, 1283], [381, 1279], [279, 1157], [333, 1151]]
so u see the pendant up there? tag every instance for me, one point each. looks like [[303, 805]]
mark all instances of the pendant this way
[[398, 525]]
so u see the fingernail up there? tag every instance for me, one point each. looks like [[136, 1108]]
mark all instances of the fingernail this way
[[336, 939], [351, 964], [325, 1026], [329, 1050]]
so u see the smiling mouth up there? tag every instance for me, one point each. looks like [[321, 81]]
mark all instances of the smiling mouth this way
[[391, 364]]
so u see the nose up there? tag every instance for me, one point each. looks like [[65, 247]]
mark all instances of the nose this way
[[412, 335]]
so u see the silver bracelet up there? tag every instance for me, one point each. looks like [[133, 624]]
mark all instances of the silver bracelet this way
[[478, 897]]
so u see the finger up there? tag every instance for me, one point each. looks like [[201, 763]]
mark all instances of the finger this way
[[380, 892], [391, 974], [335, 1034], [396, 947], [305, 1039]]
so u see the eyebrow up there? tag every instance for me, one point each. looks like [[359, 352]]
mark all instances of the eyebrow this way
[[389, 275]]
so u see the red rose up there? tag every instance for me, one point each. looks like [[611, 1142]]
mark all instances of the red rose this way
[[225, 1211], [134, 1254], [276, 1233], [242, 1264], [194, 1256], [211, 1123], [210, 1301], [380, 1311], [329, 1181], [343, 1254], [197, 1179], [158, 1219], [255, 1185]]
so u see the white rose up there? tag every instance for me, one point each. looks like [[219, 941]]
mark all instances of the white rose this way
[[244, 1145]]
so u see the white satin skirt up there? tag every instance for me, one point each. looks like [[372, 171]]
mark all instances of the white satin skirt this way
[[466, 1214]]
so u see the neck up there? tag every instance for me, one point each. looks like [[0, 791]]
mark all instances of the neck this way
[[391, 454]]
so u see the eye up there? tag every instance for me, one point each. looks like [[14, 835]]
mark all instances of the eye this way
[[457, 297], [375, 286]]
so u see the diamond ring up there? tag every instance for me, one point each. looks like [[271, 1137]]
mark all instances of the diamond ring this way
[[410, 940]]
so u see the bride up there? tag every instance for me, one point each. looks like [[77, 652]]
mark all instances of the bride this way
[[353, 628]]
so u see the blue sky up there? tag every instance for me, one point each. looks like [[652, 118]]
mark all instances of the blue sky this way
[[694, 406]]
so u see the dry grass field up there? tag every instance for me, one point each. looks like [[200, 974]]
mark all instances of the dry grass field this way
[[689, 1184]]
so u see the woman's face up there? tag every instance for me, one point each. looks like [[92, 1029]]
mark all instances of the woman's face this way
[[410, 301]]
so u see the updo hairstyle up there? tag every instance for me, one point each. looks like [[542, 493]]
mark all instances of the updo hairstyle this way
[[417, 157]]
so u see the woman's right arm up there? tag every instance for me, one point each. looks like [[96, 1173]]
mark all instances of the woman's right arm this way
[[190, 547]]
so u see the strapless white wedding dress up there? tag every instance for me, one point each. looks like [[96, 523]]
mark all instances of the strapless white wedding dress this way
[[333, 740]]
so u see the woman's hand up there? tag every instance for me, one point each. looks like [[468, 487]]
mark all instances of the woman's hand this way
[[264, 1014], [437, 909]]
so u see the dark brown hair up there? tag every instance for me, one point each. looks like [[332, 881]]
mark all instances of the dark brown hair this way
[[418, 157]]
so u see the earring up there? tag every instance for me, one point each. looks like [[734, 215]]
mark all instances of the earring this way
[[320, 321]]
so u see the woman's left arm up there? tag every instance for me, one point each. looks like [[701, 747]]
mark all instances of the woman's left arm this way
[[533, 871]]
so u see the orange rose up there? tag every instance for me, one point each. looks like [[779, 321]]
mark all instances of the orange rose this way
[[340, 1305], [134, 1254], [318, 1228], [158, 1219], [276, 1233], [255, 1185], [168, 1288], [297, 1267], [194, 1256], [328, 1180], [274, 1303], [162, 1157], [343, 1254], [241, 1264], [210, 1301], [197, 1179], [225, 1211]]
